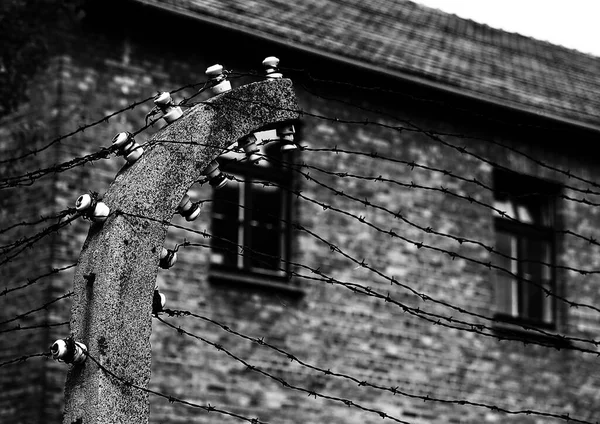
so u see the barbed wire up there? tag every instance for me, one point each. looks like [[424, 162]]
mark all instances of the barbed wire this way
[[374, 154], [172, 399], [104, 119], [31, 281], [429, 230], [435, 133], [103, 153], [395, 390], [368, 203], [554, 340], [55, 215], [25, 358], [591, 240], [240, 250], [32, 311], [395, 93], [19, 327], [28, 242], [453, 255], [400, 128], [280, 380], [16, 243]]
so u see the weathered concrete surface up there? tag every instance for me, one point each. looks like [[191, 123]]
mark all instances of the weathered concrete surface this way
[[117, 269]]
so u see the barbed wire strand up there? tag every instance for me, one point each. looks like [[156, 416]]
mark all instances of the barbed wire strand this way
[[25, 358], [529, 157], [280, 380], [31, 281], [553, 340], [399, 128], [104, 119], [28, 242], [40, 308], [429, 230], [55, 215], [560, 339], [395, 390], [453, 255], [374, 154], [34, 280], [556, 341], [19, 327], [172, 399]]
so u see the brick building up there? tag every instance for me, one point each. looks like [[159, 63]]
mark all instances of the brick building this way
[[414, 122]]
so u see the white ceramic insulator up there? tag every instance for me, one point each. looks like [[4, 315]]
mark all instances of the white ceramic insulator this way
[[163, 99], [163, 300], [163, 253], [101, 212], [221, 87], [286, 132], [193, 215], [173, 114], [214, 71], [59, 349], [83, 202], [270, 62], [212, 170], [250, 148], [173, 259], [121, 139], [248, 144], [185, 204], [288, 147], [221, 184], [135, 153], [80, 350]]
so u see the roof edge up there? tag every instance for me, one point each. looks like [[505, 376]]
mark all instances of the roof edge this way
[[378, 69]]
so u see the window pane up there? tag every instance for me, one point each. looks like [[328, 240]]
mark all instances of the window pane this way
[[525, 214], [532, 302], [266, 205], [266, 248], [505, 206], [226, 201], [226, 225], [506, 285], [265, 227], [547, 283]]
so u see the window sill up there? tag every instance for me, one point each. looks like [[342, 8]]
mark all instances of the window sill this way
[[254, 281], [512, 328]]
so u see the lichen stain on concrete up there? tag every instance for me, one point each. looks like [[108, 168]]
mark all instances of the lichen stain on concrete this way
[[102, 345]]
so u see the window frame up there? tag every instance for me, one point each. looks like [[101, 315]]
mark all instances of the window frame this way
[[508, 187], [281, 176]]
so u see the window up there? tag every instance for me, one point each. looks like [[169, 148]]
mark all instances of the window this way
[[251, 218], [525, 239]]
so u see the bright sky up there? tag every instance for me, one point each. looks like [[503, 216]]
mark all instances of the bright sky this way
[[573, 23]]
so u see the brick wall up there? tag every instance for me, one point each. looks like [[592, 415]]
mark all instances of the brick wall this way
[[99, 70]]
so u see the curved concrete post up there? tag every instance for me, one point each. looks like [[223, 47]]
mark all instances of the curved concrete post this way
[[117, 270]]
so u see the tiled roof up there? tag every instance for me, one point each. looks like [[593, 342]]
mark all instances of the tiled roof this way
[[416, 42]]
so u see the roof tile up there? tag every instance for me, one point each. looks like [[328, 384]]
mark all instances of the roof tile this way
[[403, 37]]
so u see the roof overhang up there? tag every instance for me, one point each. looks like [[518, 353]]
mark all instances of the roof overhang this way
[[378, 69]]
